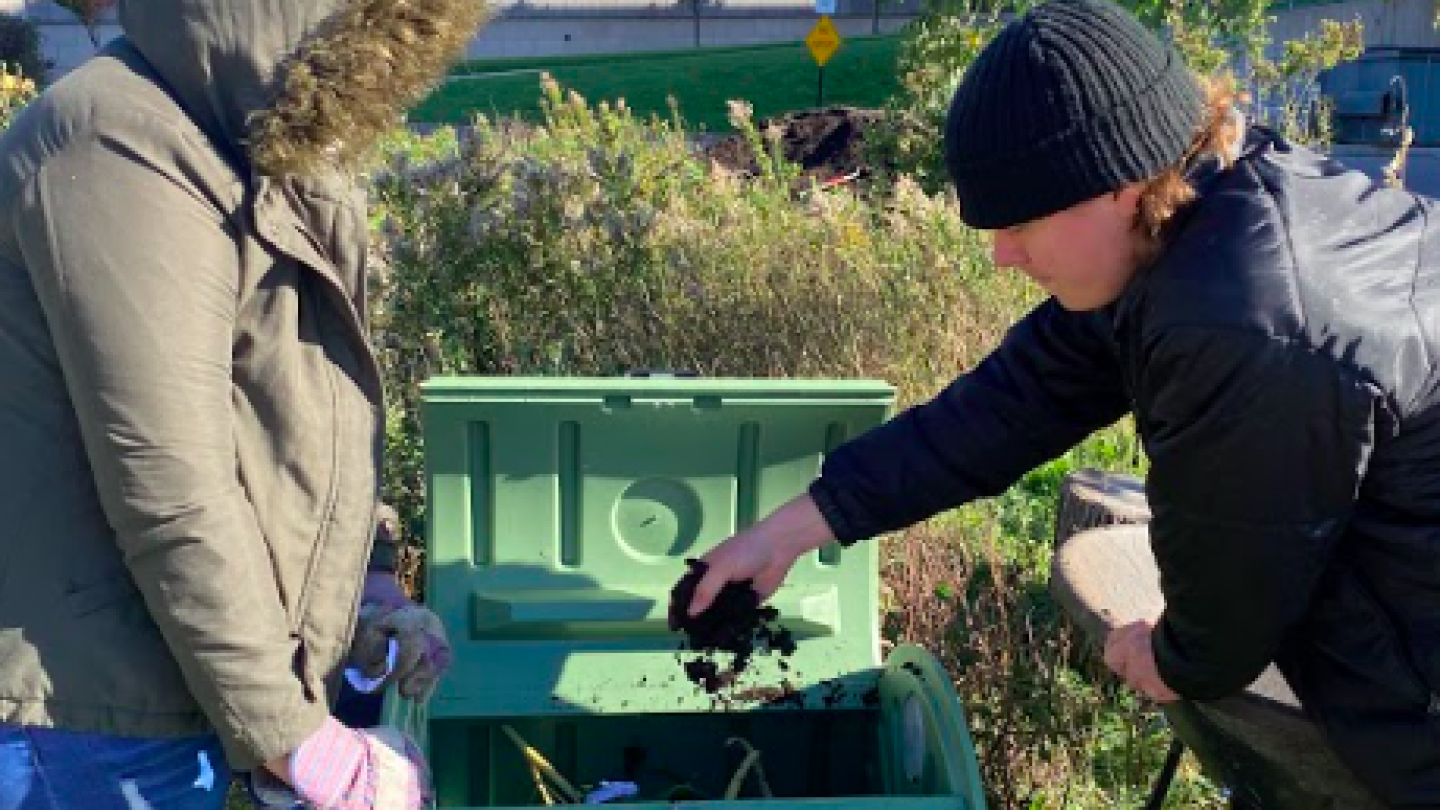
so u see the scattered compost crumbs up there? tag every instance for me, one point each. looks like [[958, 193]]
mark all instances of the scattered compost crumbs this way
[[735, 623]]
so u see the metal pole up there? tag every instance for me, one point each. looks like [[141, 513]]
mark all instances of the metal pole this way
[[1167, 775], [820, 94]]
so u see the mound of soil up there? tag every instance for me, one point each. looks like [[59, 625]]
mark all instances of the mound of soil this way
[[827, 143], [736, 623]]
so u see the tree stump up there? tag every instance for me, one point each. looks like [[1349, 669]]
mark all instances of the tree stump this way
[[1091, 498], [1259, 742]]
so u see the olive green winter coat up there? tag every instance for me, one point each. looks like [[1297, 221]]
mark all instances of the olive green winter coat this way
[[190, 412]]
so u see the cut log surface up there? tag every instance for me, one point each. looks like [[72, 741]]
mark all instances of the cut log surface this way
[[1090, 498], [1258, 742], [1105, 578]]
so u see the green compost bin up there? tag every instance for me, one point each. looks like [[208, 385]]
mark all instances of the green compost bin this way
[[561, 511]]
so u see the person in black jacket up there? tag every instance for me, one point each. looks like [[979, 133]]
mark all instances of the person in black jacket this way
[[1271, 319]]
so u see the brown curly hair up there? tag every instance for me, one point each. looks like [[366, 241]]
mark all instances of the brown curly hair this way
[[1167, 193]]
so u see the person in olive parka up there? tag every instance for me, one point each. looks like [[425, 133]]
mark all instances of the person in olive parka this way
[[1271, 319], [191, 411]]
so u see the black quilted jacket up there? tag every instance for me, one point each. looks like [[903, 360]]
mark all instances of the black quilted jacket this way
[[1280, 360]]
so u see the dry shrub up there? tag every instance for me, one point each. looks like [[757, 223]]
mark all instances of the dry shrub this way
[[1052, 729], [971, 608], [598, 243]]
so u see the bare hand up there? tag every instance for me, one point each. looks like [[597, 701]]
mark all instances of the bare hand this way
[[1130, 654], [764, 553]]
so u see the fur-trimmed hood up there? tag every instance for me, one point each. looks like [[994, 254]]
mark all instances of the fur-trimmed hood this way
[[299, 87]]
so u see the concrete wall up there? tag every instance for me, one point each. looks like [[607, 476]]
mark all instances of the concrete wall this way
[[552, 27], [549, 27], [532, 36], [1401, 41]]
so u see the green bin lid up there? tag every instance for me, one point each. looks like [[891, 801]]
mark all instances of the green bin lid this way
[[561, 511]]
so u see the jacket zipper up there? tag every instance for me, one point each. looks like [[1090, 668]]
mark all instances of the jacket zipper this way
[[302, 603]]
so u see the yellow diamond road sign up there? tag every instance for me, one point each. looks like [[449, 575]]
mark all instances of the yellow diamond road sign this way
[[823, 40]]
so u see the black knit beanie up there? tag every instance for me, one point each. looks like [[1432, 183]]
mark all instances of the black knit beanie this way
[[1072, 100]]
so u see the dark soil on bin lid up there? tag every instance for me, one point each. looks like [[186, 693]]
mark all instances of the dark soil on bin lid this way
[[735, 623]]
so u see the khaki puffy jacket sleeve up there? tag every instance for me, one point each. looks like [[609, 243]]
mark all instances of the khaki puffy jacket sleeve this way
[[137, 274]]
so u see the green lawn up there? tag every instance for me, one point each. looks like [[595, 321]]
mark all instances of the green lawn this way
[[774, 78]]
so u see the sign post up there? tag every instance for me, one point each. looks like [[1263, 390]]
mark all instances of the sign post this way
[[823, 41]]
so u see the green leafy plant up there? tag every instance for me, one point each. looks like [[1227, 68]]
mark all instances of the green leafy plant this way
[[1227, 37], [1286, 89], [938, 47]]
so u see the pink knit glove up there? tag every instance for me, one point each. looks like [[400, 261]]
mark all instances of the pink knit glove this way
[[339, 768]]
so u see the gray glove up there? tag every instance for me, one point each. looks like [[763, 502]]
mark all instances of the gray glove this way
[[423, 650]]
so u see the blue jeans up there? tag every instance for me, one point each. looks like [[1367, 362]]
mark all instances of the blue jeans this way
[[52, 769]]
